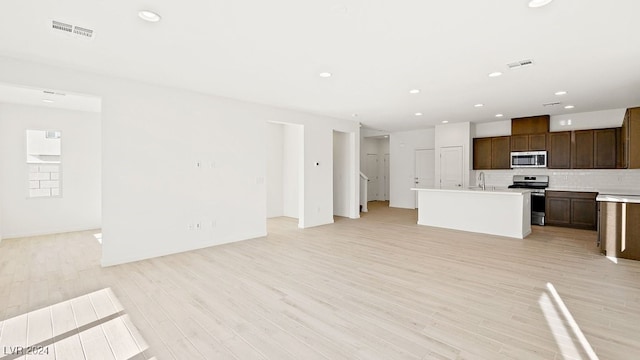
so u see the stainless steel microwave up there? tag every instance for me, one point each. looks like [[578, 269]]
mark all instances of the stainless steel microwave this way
[[537, 159]]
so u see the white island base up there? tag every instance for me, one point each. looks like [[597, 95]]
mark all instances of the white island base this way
[[497, 212]]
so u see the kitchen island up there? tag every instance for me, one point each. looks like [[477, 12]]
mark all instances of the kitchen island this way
[[503, 212]]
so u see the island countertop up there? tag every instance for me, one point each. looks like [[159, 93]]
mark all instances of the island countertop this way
[[487, 190]]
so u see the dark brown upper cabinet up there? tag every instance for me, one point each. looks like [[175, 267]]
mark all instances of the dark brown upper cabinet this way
[[582, 150], [594, 149], [501, 152], [530, 125], [559, 150], [492, 153], [536, 142], [481, 153], [605, 146]]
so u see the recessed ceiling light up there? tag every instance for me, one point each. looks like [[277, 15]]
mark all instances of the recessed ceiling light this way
[[538, 3], [418, 114], [478, 105], [386, 136], [569, 107], [354, 115], [414, 91], [148, 15], [47, 100], [561, 93], [325, 74], [495, 74], [499, 115], [445, 121]]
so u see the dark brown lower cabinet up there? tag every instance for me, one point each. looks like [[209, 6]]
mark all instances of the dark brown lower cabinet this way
[[571, 209], [619, 229]]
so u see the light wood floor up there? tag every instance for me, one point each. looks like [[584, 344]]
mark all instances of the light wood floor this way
[[380, 287]]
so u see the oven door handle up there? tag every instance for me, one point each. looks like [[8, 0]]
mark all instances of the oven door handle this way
[[537, 194]]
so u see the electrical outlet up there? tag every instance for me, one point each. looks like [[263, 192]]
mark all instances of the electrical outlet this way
[[198, 226], [189, 226]]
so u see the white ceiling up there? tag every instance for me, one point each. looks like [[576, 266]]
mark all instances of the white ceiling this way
[[271, 52]]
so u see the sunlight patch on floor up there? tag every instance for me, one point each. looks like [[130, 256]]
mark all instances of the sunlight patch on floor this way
[[563, 326], [89, 326]]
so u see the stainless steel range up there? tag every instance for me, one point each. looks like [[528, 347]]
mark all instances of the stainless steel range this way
[[537, 184]]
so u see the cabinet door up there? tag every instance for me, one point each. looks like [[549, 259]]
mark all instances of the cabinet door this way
[[630, 246], [482, 153], [530, 125], [558, 211], [582, 150], [520, 143], [538, 142], [559, 150], [604, 149], [583, 213], [501, 152]]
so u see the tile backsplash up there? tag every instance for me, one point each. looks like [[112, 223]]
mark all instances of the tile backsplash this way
[[569, 179]]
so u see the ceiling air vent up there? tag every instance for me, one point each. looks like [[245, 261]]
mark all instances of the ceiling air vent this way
[[83, 32], [74, 31], [551, 104], [49, 92], [519, 64], [61, 26]]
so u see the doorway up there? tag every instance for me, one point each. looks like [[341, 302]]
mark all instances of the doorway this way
[[371, 170], [424, 170], [451, 167], [285, 171]]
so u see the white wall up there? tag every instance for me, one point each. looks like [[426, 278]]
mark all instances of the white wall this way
[[153, 136], [459, 134], [341, 171], [494, 128], [587, 120], [275, 145], [292, 158], [79, 207], [402, 147]]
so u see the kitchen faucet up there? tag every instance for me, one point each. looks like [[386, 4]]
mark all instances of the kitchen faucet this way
[[481, 180]]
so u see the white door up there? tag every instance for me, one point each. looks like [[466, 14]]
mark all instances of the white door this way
[[425, 169], [451, 172], [386, 177], [372, 174]]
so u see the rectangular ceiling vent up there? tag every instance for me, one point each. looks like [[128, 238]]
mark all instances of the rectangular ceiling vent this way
[[88, 33], [62, 26], [519, 64], [551, 104], [49, 92], [74, 31]]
